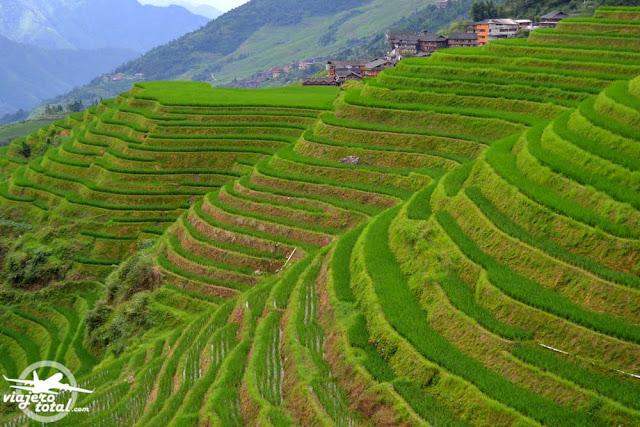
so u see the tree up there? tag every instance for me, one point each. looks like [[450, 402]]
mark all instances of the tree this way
[[484, 9], [25, 150], [75, 106]]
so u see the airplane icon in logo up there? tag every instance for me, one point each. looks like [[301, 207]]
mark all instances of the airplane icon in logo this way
[[37, 386]]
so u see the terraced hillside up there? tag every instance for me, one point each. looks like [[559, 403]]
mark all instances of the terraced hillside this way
[[124, 171], [455, 242]]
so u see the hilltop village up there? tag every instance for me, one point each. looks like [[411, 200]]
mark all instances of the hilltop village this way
[[404, 44]]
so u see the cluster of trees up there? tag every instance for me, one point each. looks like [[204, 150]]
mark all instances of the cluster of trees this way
[[75, 106], [50, 110], [29, 263], [72, 107], [125, 308], [481, 10]]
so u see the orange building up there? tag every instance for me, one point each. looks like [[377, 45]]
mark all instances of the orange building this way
[[494, 29], [482, 30]]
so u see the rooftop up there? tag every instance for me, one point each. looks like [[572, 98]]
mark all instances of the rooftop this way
[[377, 63], [431, 37], [505, 21], [556, 14], [463, 36]]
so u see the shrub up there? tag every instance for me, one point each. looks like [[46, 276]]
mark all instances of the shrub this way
[[34, 264], [24, 150], [139, 273], [125, 308]]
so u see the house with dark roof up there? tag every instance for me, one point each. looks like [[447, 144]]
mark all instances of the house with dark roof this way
[[354, 69], [462, 40], [320, 81], [373, 68], [344, 75], [356, 65], [550, 20], [404, 42], [430, 42]]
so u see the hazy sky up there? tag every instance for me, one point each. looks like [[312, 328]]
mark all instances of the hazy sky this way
[[223, 5]]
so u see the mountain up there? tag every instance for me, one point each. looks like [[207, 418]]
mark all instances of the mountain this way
[[196, 7], [268, 33], [94, 24], [261, 35], [29, 74]]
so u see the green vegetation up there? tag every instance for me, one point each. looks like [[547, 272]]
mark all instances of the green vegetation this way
[[455, 242], [11, 131]]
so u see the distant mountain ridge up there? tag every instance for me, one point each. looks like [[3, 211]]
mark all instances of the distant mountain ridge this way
[[94, 24], [51, 46], [29, 74], [192, 6]]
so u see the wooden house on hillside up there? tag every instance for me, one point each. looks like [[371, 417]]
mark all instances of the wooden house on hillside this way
[[462, 40], [550, 20], [403, 42], [320, 81], [356, 65], [344, 75], [430, 42], [375, 67]]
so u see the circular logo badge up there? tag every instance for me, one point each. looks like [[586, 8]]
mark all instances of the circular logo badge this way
[[37, 398]]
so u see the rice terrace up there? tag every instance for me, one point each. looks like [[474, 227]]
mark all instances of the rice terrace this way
[[455, 242]]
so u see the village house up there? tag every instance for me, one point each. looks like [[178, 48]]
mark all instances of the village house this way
[[375, 67], [320, 81], [550, 20], [462, 40], [342, 75], [276, 72], [403, 42], [356, 65], [430, 42], [494, 29], [524, 24], [341, 71]]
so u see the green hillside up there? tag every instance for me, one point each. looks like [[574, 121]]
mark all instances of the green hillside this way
[[456, 242]]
